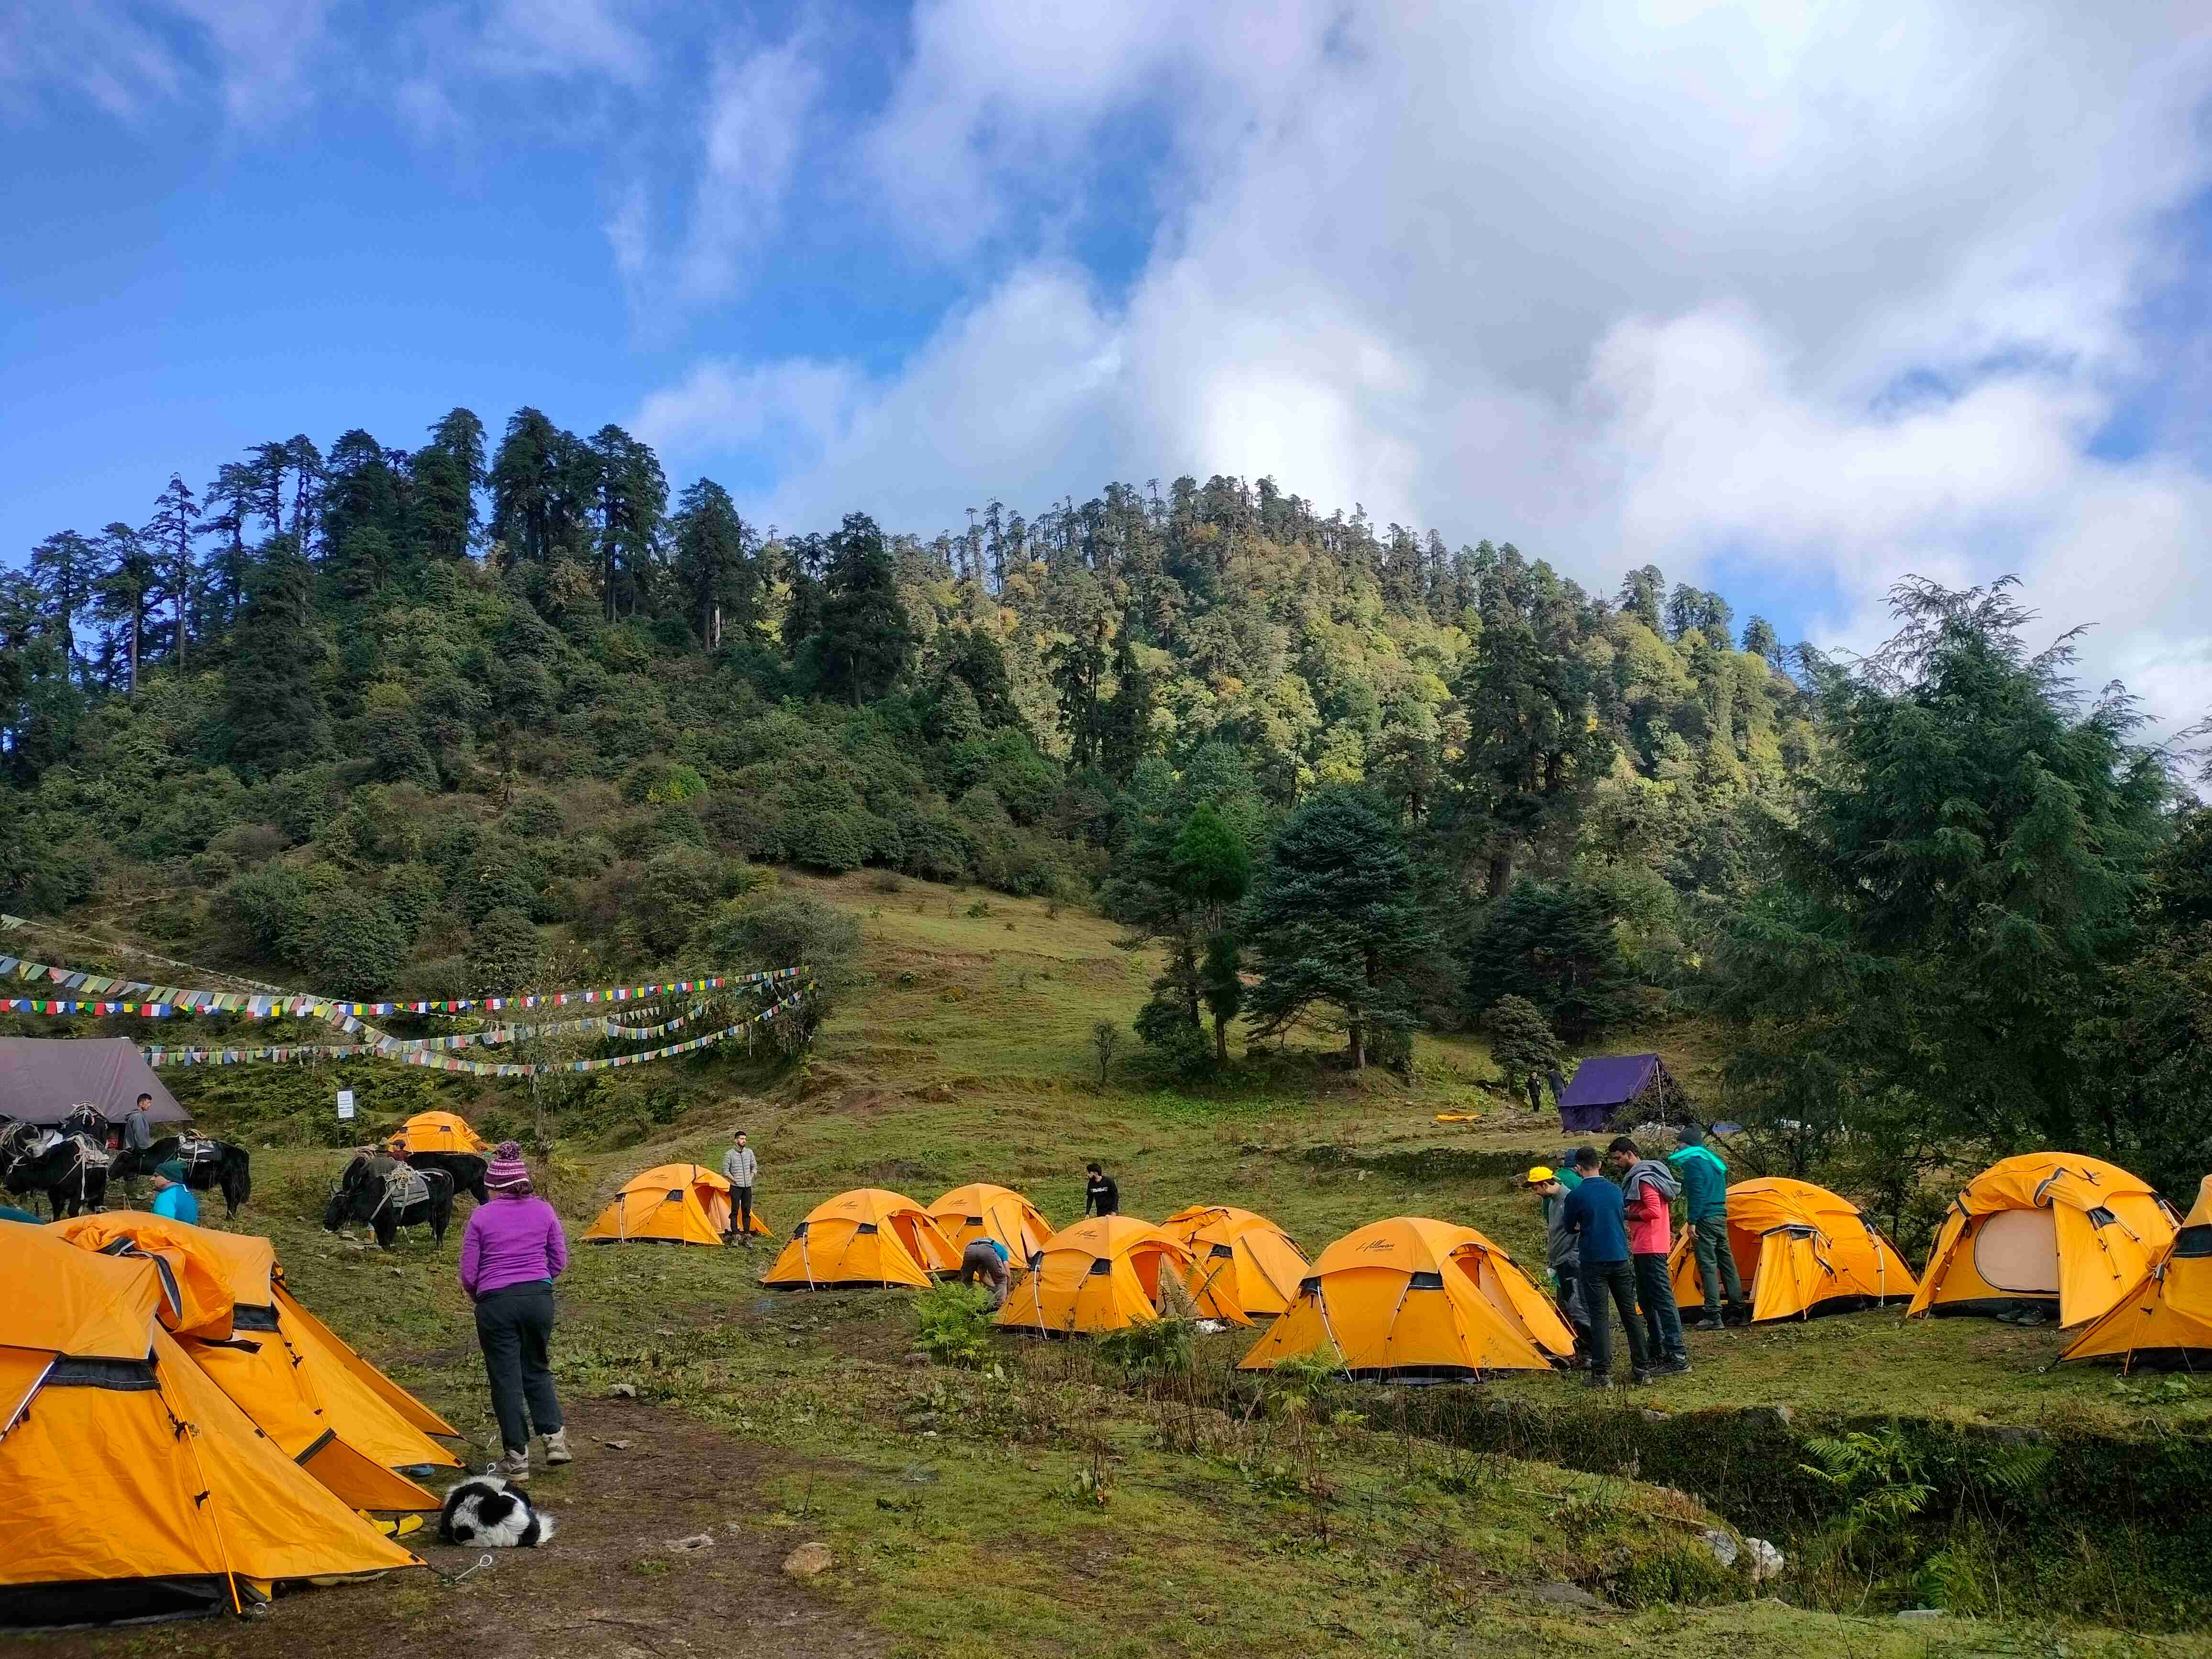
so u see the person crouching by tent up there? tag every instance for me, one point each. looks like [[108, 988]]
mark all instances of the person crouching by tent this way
[[739, 1166], [1704, 1174], [986, 1259], [172, 1198], [1562, 1255], [512, 1253], [1648, 1191], [1593, 1214]]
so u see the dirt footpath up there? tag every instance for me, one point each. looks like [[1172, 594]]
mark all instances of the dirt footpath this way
[[608, 1586]]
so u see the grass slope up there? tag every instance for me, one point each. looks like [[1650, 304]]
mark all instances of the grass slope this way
[[1044, 1505]]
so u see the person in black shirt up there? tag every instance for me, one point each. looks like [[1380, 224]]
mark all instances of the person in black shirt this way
[[1100, 1195]]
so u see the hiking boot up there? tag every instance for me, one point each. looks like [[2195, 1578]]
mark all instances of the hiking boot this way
[[1679, 1366], [514, 1469], [556, 1447], [1705, 1322], [1739, 1313], [1638, 1378], [1597, 1380]]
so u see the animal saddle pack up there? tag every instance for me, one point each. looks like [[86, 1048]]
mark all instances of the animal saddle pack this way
[[404, 1187]]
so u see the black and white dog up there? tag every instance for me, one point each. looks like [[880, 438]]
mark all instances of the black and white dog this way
[[485, 1509]]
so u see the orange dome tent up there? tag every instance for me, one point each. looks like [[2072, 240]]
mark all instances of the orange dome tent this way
[[980, 1210], [1243, 1267], [435, 1132], [107, 1512], [1413, 1299], [673, 1204], [866, 1236], [1101, 1274], [308, 1400], [2054, 1231], [1801, 1250], [2166, 1320]]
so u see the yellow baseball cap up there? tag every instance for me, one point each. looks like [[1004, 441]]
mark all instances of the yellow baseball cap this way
[[1538, 1176]]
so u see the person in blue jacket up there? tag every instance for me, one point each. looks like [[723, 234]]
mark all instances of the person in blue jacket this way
[[172, 1198], [1595, 1213]]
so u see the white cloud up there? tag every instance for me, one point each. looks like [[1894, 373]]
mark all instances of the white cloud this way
[[757, 109], [253, 55], [1844, 291], [600, 38]]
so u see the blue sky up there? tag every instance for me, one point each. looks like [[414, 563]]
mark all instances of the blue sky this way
[[1791, 298]]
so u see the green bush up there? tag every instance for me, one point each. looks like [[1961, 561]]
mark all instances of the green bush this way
[[349, 945], [533, 816], [953, 1323], [784, 933], [503, 954], [1159, 1348]]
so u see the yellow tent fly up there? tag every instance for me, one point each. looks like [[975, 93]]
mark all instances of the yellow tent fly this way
[[435, 1132], [131, 1485], [1243, 1267], [1802, 1250], [2165, 1321], [674, 1204], [1101, 1274], [2052, 1232], [980, 1210], [1415, 1299], [866, 1236], [275, 1367]]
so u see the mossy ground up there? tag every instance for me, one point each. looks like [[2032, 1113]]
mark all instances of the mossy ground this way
[[959, 1502]]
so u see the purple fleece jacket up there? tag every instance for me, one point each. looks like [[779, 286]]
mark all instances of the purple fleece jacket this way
[[511, 1241]]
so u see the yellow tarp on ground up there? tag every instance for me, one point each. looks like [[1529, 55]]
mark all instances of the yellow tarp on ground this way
[[980, 1210], [1101, 1274], [1801, 1249], [131, 1485], [2049, 1229], [2165, 1319], [674, 1204], [866, 1236], [435, 1132], [309, 1400], [1243, 1267], [1412, 1298]]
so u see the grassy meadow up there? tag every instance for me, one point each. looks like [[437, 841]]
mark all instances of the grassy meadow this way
[[1047, 1501]]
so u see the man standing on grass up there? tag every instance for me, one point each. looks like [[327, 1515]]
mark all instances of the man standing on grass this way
[[739, 1168], [1705, 1203], [1647, 1190], [1100, 1195], [1593, 1213], [137, 1137], [1561, 1255]]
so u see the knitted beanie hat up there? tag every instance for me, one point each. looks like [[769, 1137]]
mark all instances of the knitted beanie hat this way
[[507, 1169]]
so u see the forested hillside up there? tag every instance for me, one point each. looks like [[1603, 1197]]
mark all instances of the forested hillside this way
[[482, 714]]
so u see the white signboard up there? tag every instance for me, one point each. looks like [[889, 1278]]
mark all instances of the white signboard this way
[[345, 1104]]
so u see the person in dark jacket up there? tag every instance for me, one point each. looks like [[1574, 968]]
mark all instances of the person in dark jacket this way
[[1594, 1214], [1703, 1176], [1100, 1195]]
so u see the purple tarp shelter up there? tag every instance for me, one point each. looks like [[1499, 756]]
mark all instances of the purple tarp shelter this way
[[1604, 1086], [41, 1077]]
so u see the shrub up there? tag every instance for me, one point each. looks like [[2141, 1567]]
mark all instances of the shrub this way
[[532, 817], [350, 944], [255, 909], [1159, 1348], [676, 891], [784, 933], [954, 1323], [830, 842], [503, 954]]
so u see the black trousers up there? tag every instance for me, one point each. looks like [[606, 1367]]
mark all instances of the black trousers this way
[[515, 1327], [741, 1210], [1618, 1280]]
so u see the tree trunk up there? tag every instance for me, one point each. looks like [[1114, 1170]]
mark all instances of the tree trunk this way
[[138, 610], [1501, 873], [1220, 1040], [1358, 1044]]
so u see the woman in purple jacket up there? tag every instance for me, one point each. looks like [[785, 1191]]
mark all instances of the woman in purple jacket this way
[[512, 1253]]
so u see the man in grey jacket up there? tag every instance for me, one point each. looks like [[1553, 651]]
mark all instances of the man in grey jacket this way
[[1563, 1255], [739, 1168]]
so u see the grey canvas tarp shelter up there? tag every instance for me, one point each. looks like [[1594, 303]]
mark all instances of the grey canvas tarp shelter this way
[[41, 1077], [1605, 1086]]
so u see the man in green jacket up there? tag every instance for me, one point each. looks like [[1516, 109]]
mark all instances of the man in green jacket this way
[[1704, 1176]]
